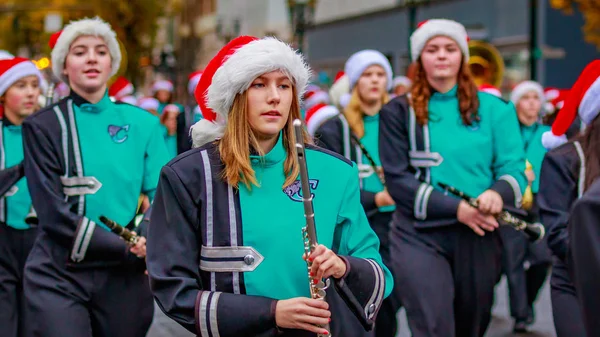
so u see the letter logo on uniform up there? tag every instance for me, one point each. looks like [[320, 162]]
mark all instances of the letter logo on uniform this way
[[118, 134], [294, 191]]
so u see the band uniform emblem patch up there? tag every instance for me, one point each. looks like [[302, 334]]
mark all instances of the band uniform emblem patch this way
[[118, 134], [294, 191]]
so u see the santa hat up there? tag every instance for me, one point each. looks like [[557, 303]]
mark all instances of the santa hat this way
[[149, 103], [360, 61], [5, 55], [551, 93], [193, 80], [162, 85], [61, 41], [312, 98], [171, 107], [583, 99], [232, 71], [12, 70], [490, 89], [339, 88], [429, 29], [523, 88], [121, 88], [317, 115], [62, 90], [557, 102], [129, 100], [401, 80]]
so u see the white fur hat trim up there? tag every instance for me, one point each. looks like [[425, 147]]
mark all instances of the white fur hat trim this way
[[84, 27], [320, 117], [402, 80], [589, 107], [550, 141], [439, 27], [523, 88], [360, 61]]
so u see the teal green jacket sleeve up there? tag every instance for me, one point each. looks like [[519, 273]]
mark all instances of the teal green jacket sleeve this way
[[367, 281], [155, 158], [509, 156]]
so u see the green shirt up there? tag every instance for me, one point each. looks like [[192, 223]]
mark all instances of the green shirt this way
[[273, 218], [475, 156], [534, 150], [19, 203], [370, 141], [123, 147], [170, 143]]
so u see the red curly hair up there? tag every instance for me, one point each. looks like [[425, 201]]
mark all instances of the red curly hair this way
[[467, 94]]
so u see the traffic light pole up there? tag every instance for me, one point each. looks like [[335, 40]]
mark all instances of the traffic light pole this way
[[534, 50]]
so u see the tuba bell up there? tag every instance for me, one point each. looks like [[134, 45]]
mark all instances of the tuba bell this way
[[486, 64]]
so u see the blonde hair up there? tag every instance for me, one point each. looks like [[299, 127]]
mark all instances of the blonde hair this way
[[239, 139], [354, 114]]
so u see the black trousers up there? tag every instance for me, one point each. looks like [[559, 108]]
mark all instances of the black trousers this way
[[15, 246], [92, 302], [386, 324], [447, 277], [568, 319]]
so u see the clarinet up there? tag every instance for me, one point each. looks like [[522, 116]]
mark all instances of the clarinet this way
[[535, 232], [31, 218], [125, 234], [309, 232]]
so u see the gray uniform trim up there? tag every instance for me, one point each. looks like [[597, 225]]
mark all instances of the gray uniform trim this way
[[514, 184], [209, 327], [82, 240], [76, 153], [581, 181], [77, 186], [233, 235], [2, 167], [378, 290], [230, 259], [209, 210], [346, 136]]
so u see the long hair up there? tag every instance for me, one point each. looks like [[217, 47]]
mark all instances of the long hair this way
[[590, 144], [239, 140], [354, 114], [468, 103]]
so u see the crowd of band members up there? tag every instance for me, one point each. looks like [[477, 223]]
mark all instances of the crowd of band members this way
[[389, 143]]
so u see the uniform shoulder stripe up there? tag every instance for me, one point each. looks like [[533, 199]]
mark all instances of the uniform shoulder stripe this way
[[328, 152]]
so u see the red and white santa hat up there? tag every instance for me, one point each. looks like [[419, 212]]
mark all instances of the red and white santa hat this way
[[5, 55], [551, 93], [429, 29], [523, 88], [340, 89], [171, 108], [232, 71], [360, 61], [148, 103], [314, 97], [162, 85], [193, 80], [317, 115], [120, 88], [583, 99], [401, 80], [490, 89], [129, 100], [60, 43], [555, 101], [12, 70]]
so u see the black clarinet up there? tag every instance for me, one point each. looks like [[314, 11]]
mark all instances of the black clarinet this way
[[130, 237], [535, 232]]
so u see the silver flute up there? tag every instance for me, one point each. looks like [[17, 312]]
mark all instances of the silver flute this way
[[309, 232]]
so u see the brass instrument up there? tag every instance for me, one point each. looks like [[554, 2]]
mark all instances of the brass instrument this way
[[130, 237], [31, 218], [535, 232], [309, 232], [486, 63], [527, 201]]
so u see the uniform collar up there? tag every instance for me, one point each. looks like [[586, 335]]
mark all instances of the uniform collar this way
[[273, 157], [86, 106], [450, 94], [9, 125]]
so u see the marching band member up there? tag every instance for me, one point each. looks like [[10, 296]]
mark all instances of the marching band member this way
[[585, 240], [19, 92], [566, 171], [355, 135], [120, 89], [233, 207], [401, 85], [528, 98], [86, 156], [446, 253], [169, 119]]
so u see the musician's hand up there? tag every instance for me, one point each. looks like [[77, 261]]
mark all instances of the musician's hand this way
[[490, 202], [140, 248], [475, 219], [302, 313], [326, 263], [530, 176], [383, 198]]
